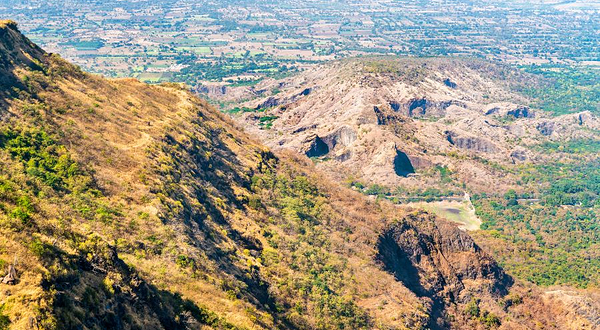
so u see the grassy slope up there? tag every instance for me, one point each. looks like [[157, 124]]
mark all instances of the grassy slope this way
[[137, 207], [92, 168]]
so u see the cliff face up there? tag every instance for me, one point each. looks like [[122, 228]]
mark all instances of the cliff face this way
[[441, 263], [462, 114], [127, 206]]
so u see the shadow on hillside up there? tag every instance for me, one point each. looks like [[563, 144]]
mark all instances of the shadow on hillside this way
[[398, 262], [424, 253], [16, 52], [211, 181], [82, 297]]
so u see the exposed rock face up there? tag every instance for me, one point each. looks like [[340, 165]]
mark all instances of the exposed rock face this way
[[305, 92], [436, 260], [470, 143], [362, 108], [387, 118], [316, 147], [344, 136], [212, 90], [546, 128], [345, 156], [270, 102], [305, 128], [449, 83], [509, 110], [520, 112], [11, 276], [420, 162], [492, 111], [423, 107], [585, 118], [395, 105], [222, 91], [417, 107], [519, 155]]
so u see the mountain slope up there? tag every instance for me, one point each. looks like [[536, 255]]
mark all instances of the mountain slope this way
[[381, 119], [127, 206], [456, 137]]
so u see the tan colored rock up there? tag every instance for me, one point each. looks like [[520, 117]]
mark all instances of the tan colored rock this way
[[439, 112], [11, 276]]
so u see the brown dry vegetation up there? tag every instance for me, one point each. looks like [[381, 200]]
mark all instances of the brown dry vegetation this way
[[128, 206]]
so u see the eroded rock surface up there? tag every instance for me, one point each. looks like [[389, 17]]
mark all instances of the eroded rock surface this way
[[436, 260], [448, 113]]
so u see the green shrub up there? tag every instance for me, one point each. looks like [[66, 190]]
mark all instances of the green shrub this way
[[489, 320], [4, 320], [39, 248], [185, 262], [41, 155], [472, 308], [255, 203], [378, 190], [23, 210]]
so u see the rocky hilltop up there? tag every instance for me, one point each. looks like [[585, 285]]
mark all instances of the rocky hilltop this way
[[384, 119], [128, 206]]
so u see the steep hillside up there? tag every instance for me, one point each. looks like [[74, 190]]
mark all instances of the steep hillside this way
[[397, 121], [455, 137], [127, 206]]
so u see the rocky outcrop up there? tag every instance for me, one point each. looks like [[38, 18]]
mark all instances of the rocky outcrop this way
[[418, 107], [385, 118], [546, 128], [519, 155], [316, 147], [11, 276], [449, 83], [268, 103], [423, 107], [492, 111], [304, 128], [305, 92], [509, 110], [436, 260], [420, 162], [273, 101], [585, 118], [520, 112], [212, 90], [343, 136], [346, 155], [395, 105], [382, 118], [362, 108], [470, 143]]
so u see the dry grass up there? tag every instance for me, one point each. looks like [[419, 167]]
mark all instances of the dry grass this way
[[7, 23], [172, 185]]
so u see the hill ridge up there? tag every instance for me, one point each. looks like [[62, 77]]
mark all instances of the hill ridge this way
[[436, 111], [130, 206]]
